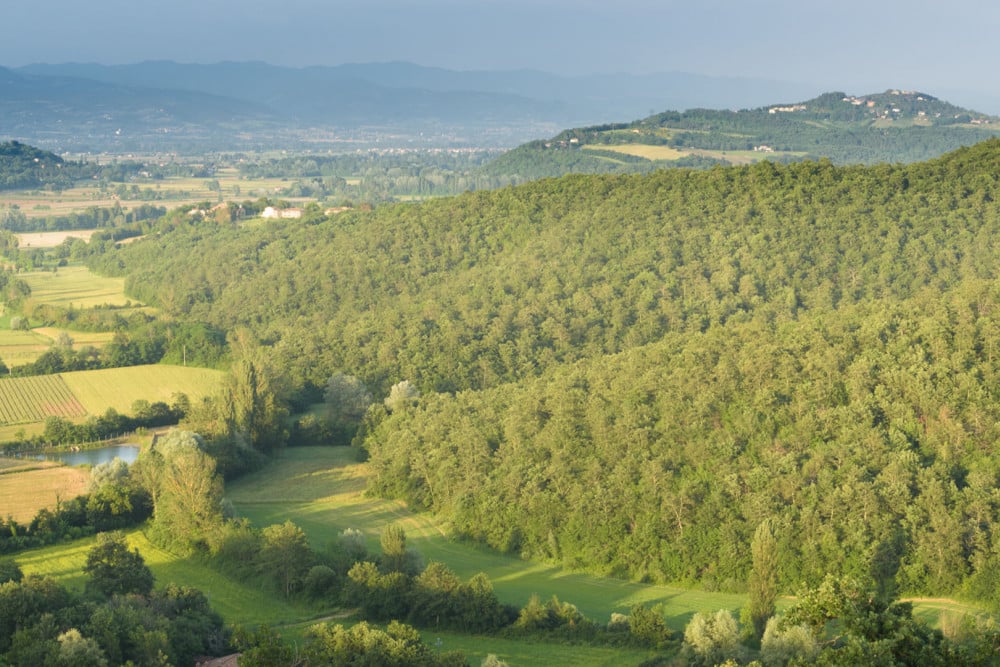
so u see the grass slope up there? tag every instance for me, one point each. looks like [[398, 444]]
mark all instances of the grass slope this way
[[75, 286], [236, 601]]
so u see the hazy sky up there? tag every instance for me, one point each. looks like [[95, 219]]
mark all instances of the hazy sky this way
[[852, 45]]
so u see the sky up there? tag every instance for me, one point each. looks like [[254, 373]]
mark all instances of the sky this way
[[850, 45]]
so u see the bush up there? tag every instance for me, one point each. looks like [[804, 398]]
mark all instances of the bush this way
[[710, 639]]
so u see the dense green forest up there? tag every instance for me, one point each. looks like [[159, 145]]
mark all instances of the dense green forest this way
[[630, 373]]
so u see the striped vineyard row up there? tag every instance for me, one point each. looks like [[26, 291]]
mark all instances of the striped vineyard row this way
[[32, 399]]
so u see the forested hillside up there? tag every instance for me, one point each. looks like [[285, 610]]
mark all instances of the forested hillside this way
[[894, 126], [630, 373]]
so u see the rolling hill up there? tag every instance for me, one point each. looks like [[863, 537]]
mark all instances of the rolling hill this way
[[893, 126]]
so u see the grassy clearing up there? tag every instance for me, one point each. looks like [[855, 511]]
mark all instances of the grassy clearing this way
[[23, 493], [50, 239], [12, 432], [75, 286], [118, 388], [242, 602], [321, 490], [745, 157]]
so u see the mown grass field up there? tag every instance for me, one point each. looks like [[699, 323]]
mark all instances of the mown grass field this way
[[75, 286], [651, 152], [243, 602], [25, 491], [18, 348], [118, 388]]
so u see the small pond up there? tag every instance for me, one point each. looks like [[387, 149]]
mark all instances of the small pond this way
[[127, 453]]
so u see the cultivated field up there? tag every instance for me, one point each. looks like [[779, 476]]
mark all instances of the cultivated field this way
[[25, 491], [75, 286], [50, 239], [81, 393], [168, 192], [80, 338], [650, 152], [118, 388], [18, 348], [32, 399]]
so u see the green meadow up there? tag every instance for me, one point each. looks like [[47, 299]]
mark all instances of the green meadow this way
[[75, 286]]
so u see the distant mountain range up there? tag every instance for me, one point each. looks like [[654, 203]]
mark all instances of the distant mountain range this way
[[892, 126], [247, 105]]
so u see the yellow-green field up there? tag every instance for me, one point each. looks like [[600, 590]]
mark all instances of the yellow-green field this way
[[25, 492], [74, 286], [12, 432], [643, 151], [80, 338], [18, 348], [50, 239], [118, 388], [26, 400], [651, 152]]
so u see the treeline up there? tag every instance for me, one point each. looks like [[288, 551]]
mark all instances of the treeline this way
[[379, 176], [138, 341], [93, 217]]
